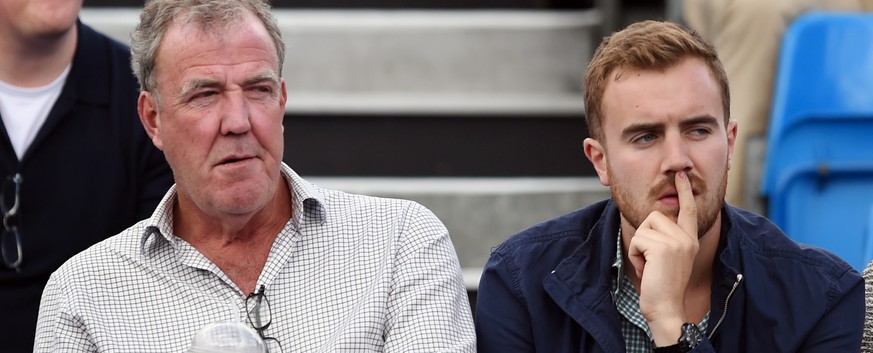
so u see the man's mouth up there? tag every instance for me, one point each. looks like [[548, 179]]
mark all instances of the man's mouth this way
[[234, 159]]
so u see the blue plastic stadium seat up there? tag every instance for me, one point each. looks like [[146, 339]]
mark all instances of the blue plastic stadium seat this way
[[818, 172], [828, 210]]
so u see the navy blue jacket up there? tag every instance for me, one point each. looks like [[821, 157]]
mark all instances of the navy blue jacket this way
[[90, 173], [547, 289]]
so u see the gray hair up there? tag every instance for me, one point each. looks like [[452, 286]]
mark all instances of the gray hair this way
[[157, 15]]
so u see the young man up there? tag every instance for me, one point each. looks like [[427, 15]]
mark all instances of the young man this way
[[665, 264], [241, 237]]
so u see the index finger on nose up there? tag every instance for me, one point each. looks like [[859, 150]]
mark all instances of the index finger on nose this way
[[687, 205]]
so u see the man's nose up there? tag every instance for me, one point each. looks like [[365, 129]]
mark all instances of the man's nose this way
[[677, 155], [235, 114]]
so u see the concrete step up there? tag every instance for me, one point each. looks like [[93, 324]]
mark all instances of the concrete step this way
[[424, 61]]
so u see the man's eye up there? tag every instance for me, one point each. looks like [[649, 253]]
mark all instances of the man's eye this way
[[204, 94], [261, 92], [700, 131], [644, 138], [262, 89]]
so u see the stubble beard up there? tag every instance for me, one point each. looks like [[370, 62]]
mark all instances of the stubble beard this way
[[635, 213]]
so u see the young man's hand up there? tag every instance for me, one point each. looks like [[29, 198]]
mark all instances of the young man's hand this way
[[662, 253]]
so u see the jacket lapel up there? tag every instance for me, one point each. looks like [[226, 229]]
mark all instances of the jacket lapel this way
[[580, 285]]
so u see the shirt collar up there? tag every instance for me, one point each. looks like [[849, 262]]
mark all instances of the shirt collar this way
[[307, 200]]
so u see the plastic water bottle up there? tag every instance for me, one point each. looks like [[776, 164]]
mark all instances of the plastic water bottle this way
[[227, 337]]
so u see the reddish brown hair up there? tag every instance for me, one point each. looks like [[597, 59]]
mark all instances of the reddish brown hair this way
[[647, 45]]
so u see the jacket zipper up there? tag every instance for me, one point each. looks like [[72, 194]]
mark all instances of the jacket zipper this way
[[726, 302]]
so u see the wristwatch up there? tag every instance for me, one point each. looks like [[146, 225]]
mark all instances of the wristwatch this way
[[690, 338]]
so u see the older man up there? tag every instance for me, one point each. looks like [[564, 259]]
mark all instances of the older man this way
[[241, 237]]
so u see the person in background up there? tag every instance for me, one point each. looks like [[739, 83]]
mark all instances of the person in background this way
[[748, 35], [75, 163], [664, 265], [241, 237]]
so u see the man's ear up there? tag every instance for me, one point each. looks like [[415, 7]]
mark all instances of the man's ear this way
[[283, 98], [731, 139], [596, 153], [148, 115], [283, 92]]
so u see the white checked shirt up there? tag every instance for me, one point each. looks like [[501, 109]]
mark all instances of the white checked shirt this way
[[348, 273]]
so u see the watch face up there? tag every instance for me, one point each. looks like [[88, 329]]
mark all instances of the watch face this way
[[691, 335]]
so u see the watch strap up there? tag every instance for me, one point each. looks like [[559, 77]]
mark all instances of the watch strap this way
[[690, 338]]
